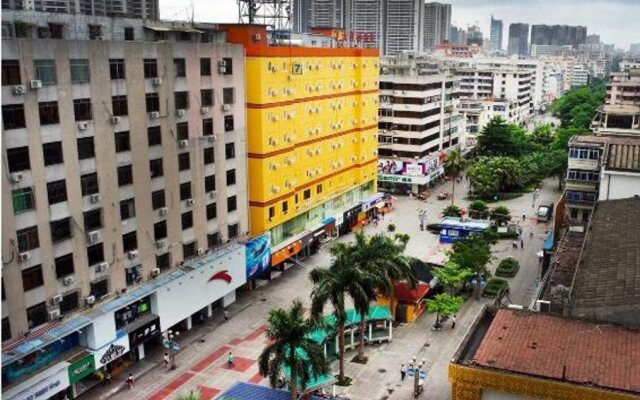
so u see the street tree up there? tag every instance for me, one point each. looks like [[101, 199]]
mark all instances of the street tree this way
[[444, 305], [452, 211], [478, 209], [454, 164], [472, 252], [452, 275]]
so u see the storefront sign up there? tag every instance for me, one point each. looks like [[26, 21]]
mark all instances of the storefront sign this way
[[409, 180], [145, 332], [81, 368], [258, 255], [413, 169], [112, 351], [45, 388]]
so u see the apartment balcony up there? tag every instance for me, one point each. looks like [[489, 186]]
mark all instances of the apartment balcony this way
[[581, 185]]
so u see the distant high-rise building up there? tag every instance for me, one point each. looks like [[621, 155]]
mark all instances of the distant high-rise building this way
[[495, 40], [145, 9], [593, 39], [402, 27], [634, 49], [366, 16], [474, 36], [437, 24], [558, 35], [519, 39], [457, 35], [326, 13], [300, 15]]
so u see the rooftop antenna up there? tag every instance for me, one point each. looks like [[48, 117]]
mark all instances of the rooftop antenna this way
[[275, 14]]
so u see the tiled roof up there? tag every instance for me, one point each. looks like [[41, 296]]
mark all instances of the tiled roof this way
[[624, 157], [609, 270], [557, 348], [249, 391]]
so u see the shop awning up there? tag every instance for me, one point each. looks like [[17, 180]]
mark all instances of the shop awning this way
[[328, 221], [548, 243], [403, 292], [315, 382], [379, 313]]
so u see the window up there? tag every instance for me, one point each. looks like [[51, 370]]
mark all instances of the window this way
[[157, 199], [160, 230], [69, 302], [128, 33], [89, 184], [153, 102], [185, 191], [64, 266], [49, 113], [6, 328], [23, 200], [120, 106], [210, 183], [205, 67], [11, 72], [184, 36], [307, 194], [182, 100], [95, 254], [272, 212], [13, 116], [150, 68], [95, 32], [228, 95], [182, 129], [60, 230], [28, 239], [228, 66], [133, 274], [92, 220], [212, 211], [231, 177], [57, 191], [125, 175], [232, 204], [129, 241], [85, 148], [100, 288], [18, 159], [45, 71], [233, 231], [213, 239], [189, 250], [319, 189], [123, 142], [180, 67], [208, 155], [127, 209], [117, 69], [228, 123], [206, 97], [183, 161], [285, 207], [207, 127], [187, 220], [37, 315], [163, 261], [155, 166], [229, 151], [32, 278], [82, 109], [154, 135], [79, 71]]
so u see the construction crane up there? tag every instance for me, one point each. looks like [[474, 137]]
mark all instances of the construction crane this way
[[272, 13]]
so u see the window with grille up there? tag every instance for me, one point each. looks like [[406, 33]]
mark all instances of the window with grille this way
[[37, 315], [49, 113], [185, 190], [212, 211], [64, 266], [209, 157], [125, 175], [52, 153], [205, 67], [45, 71], [128, 34], [11, 73], [213, 239], [92, 219], [60, 229], [150, 68], [154, 135], [160, 230], [85, 148], [57, 191], [182, 129], [229, 151], [95, 32], [13, 116], [228, 65], [120, 105], [228, 123], [206, 97], [89, 184], [133, 274], [99, 288], [127, 209], [152, 101], [23, 200], [228, 95], [158, 199], [181, 100], [123, 142], [155, 166], [231, 177], [232, 204], [187, 220], [95, 254], [82, 109], [32, 278], [129, 241], [18, 159], [163, 261], [69, 302], [183, 161], [207, 127], [210, 183], [79, 71], [189, 250], [117, 69], [233, 230], [180, 66]]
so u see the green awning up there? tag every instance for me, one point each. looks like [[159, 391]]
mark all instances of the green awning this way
[[377, 313], [314, 383]]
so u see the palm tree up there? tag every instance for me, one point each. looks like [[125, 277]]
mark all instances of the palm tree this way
[[289, 332], [453, 165], [332, 285]]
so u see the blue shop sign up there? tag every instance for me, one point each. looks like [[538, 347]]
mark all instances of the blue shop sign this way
[[258, 252]]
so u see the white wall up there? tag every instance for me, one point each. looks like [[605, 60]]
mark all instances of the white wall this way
[[619, 186], [101, 331]]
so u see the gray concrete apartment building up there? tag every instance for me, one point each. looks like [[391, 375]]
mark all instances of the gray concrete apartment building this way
[[123, 146], [147, 9]]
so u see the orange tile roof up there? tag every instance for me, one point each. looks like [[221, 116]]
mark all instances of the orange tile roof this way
[[557, 348]]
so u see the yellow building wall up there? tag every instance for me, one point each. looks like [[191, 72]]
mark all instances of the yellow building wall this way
[[311, 132], [467, 383]]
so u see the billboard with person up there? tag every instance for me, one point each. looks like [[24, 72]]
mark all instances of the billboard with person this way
[[258, 255]]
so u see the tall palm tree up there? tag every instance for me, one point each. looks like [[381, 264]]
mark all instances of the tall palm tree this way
[[289, 333], [453, 166], [331, 285]]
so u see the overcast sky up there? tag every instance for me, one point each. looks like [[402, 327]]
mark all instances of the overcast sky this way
[[616, 21]]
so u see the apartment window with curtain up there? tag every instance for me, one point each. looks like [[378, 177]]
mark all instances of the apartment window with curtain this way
[[117, 69], [45, 71], [23, 200], [79, 71], [28, 239]]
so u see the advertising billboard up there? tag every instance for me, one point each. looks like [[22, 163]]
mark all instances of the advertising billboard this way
[[258, 255]]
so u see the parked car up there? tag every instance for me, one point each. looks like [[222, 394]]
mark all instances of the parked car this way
[[545, 212]]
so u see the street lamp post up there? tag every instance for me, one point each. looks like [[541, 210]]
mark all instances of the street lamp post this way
[[172, 344], [418, 375]]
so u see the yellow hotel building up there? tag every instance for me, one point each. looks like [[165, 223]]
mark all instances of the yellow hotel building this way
[[312, 117]]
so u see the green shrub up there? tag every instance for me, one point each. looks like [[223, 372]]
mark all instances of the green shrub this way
[[493, 287], [508, 267], [452, 211], [500, 214], [478, 209]]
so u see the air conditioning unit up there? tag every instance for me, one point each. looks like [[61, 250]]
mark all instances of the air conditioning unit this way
[[17, 177], [161, 243], [102, 267], [154, 115], [24, 257], [181, 113], [183, 143], [19, 89], [211, 139], [35, 84], [57, 299], [226, 107], [93, 237], [82, 125], [222, 67], [68, 280], [95, 198], [201, 251], [213, 194], [90, 300], [189, 202], [204, 110], [256, 37], [543, 306], [132, 254], [155, 272], [163, 211], [54, 314], [115, 120], [156, 81]]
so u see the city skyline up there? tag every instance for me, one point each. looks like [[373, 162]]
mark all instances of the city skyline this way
[[609, 19]]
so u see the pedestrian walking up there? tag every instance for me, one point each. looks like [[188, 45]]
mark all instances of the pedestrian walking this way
[[130, 381], [382, 214], [515, 243], [230, 363], [522, 243], [107, 377], [165, 358], [530, 232], [403, 372], [524, 216], [225, 312], [453, 321]]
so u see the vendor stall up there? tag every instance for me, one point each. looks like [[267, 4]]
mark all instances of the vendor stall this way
[[407, 302], [454, 229]]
